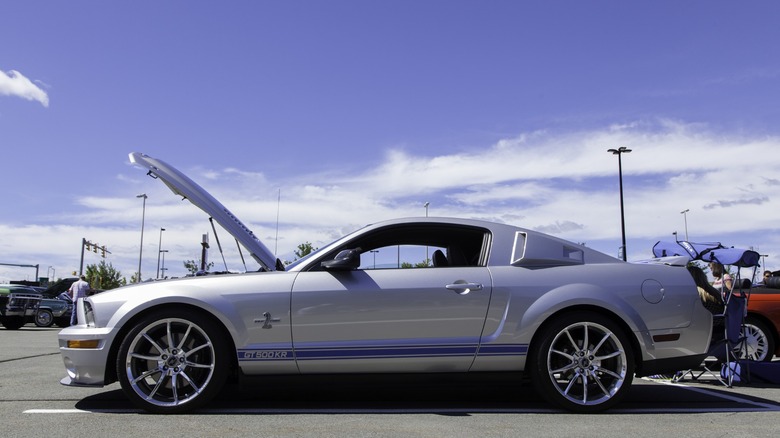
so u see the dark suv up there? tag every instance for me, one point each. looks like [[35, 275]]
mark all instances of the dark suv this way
[[17, 303]]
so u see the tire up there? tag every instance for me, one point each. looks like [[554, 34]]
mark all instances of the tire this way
[[582, 362], [14, 322], [44, 318], [172, 362], [759, 342]]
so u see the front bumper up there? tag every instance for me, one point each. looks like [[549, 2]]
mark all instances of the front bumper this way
[[85, 366]]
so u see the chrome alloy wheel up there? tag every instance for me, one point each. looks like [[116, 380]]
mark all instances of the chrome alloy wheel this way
[[587, 363], [756, 344], [170, 362]]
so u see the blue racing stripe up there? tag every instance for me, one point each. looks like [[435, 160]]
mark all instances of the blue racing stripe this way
[[386, 352], [382, 352], [503, 350]]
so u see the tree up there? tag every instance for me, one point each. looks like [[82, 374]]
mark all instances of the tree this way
[[103, 276], [423, 264], [194, 266], [304, 249]]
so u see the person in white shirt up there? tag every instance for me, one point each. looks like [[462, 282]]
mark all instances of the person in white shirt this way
[[722, 278], [77, 290]]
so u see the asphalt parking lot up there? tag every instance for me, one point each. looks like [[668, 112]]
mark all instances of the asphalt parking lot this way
[[33, 403]]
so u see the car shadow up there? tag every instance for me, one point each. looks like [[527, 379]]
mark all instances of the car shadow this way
[[432, 394]]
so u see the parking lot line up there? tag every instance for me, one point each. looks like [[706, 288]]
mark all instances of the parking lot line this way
[[711, 393]]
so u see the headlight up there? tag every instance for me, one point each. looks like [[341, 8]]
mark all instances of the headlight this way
[[89, 314]]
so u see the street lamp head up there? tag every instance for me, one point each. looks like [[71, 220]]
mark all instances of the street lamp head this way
[[620, 150], [142, 195], [685, 211], [162, 229]]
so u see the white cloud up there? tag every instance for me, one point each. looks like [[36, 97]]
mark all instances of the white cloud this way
[[16, 84], [564, 184]]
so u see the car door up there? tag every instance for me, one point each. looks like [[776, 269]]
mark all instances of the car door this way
[[389, 320]]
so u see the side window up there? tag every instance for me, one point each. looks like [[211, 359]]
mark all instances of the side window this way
[[417, 245], [402, 257]]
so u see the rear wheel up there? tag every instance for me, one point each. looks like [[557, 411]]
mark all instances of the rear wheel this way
[[759, 342], [582, 362], [44, 318], [172, 362]]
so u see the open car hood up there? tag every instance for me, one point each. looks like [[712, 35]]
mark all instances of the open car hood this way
[[183, 186]]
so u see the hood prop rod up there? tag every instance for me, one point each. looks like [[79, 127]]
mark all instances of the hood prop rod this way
[[213, 228], [238, 245]]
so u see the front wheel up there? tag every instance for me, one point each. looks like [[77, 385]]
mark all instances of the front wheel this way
[[582, 362], [172, 362], [14, 322]]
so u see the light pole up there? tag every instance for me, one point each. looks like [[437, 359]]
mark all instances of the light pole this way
[[619, 152], [685, 216], [163, 269], [159, 250], [373, 251], [426, 215], [141, 252]]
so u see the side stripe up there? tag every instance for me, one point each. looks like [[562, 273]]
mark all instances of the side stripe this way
[[382, 352]]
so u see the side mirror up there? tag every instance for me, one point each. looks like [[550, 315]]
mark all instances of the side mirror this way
[[346, 260]]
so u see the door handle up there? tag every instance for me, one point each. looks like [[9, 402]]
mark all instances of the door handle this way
[[462, 287]]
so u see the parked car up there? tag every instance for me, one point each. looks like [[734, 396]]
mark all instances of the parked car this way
[[498, 298], [762, 325], [17, 304], [56, 305]]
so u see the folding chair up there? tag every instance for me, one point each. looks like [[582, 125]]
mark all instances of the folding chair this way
[[725, 359], [736, 366], [733, 347]]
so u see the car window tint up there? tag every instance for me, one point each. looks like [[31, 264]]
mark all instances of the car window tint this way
[[399, 257], [415, 245]]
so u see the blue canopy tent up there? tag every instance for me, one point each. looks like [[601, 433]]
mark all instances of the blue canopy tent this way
[[708, 252]]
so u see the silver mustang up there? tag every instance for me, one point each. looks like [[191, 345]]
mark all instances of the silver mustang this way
[[495, 298]]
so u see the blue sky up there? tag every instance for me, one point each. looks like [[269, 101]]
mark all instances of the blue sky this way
[[358, 111]]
